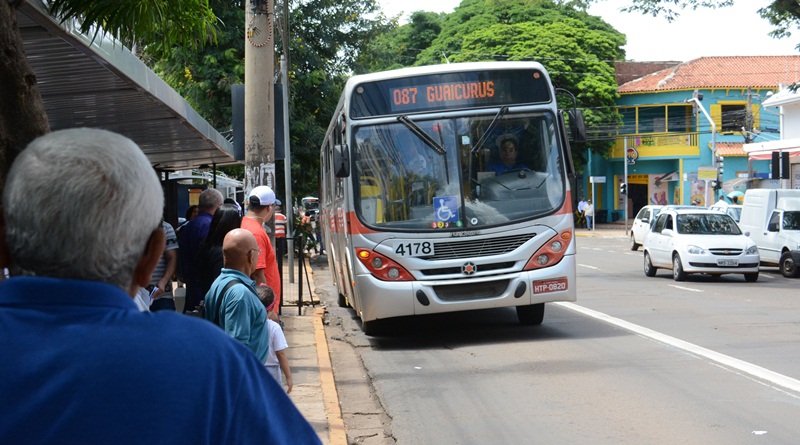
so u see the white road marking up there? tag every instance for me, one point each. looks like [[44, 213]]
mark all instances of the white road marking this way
[[722, 359], [589, 267], [685, 288]]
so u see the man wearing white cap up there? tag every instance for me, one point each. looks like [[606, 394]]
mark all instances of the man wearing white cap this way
[[261, 207]]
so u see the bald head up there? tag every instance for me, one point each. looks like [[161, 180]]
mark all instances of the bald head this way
[[240, 251]]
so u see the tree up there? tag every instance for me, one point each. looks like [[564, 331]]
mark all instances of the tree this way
[[577, 49], [399, 46], [22, 113], [326, 37]]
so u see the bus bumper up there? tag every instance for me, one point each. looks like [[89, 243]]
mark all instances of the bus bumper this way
[[381, 299]]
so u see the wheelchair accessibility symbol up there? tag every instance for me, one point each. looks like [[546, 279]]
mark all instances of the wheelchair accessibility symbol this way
[[446, 209]]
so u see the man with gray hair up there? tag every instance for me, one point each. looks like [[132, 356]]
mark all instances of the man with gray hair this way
[[79, 363], [190, 238]]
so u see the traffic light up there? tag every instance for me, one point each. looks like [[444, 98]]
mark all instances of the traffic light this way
[[623, 188], [720, 163]]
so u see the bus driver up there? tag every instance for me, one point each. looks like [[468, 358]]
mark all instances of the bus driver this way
[[507, 146]]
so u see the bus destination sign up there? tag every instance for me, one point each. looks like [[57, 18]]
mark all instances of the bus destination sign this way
[[450, 91]]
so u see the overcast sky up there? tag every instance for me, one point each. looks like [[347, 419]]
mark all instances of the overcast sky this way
[[734, 31]]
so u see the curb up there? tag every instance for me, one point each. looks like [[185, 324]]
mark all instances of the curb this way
[[336, 430]]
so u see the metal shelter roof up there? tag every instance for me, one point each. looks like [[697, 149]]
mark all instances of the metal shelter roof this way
[[99, 83]]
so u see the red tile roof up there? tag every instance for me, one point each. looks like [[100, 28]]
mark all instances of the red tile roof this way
[[720, 72], [627, 71], [730, 149]]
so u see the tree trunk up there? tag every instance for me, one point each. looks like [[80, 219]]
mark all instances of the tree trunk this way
[[22, 113]]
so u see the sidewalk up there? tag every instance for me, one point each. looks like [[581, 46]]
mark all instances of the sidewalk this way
[[314, 391], [614, 229]]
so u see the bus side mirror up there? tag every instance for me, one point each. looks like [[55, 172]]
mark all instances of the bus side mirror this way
[[577, 126], [341, 161]]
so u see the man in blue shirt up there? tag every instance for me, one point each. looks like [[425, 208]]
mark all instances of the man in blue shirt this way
[[79, 364], [237, 309], [190, 238]]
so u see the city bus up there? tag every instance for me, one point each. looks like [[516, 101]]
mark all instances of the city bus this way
[[422, 207]]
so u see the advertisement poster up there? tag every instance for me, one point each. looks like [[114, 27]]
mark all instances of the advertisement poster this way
[[657, 191], [698, 195]]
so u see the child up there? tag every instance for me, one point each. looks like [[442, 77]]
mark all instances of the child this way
[[276, 360]]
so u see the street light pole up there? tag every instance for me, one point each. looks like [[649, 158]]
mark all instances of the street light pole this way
[[696, 100]]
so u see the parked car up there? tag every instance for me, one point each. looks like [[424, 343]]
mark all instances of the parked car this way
[[645, 219], [733, 210], [704, 241], [641, 224]]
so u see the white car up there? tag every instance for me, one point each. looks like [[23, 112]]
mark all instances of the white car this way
[[699, 241], [641, 224], [734, 210]]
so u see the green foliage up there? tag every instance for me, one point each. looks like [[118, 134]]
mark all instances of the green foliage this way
[[205, 76], [325, 38], [577, 49], [186, 22]]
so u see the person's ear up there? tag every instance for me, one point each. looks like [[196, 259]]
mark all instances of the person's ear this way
[[149, 260]]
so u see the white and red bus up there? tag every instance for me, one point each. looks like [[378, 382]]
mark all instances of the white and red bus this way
[[423, 208]]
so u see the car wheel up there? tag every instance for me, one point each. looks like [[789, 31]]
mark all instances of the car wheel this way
[[531, 315], [649, 270], [343, 301], [788, 266], [751, 277], [634, 245], [677, 268]]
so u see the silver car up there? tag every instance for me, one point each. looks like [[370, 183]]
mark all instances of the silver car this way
[[699, 241]]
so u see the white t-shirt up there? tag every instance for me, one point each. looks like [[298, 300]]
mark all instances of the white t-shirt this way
[[277, 342]]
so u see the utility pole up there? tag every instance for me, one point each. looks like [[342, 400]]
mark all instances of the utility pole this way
[[748, 120], [259, 71]]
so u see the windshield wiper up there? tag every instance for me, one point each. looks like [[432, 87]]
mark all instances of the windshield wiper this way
[[420, 133], [500, 113]]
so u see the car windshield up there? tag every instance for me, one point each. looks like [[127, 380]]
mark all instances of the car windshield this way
[[463, 172], [707, 224]]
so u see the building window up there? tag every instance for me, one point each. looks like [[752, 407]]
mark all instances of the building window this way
[[679, 119], [652, 119], [734, 117]]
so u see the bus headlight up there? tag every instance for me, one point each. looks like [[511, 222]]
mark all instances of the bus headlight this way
[[551, 252], [382, 267]]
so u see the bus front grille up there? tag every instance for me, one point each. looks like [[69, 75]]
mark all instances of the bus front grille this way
[[469, 292], [478, 248], [457, 270]]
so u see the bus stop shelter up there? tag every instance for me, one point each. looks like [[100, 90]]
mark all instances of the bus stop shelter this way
[[93, 81]]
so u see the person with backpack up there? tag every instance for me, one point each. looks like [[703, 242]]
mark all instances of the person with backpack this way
[[232, 303]]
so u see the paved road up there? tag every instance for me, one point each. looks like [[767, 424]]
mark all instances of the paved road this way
[[636, 360]]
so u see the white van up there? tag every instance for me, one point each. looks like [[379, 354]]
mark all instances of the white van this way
[[771, 218]]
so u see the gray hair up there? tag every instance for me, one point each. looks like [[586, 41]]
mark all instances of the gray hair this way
[[210, 199], [81, 203]]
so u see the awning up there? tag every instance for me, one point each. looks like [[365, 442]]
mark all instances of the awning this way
[[101, 84], [763, 150]]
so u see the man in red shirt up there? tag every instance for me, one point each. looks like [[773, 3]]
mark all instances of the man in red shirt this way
[[261, 207]]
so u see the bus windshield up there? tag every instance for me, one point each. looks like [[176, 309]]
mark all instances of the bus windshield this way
[[458, 172]]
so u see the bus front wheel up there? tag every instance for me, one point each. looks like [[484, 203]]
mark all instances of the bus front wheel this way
[[531, 315]]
